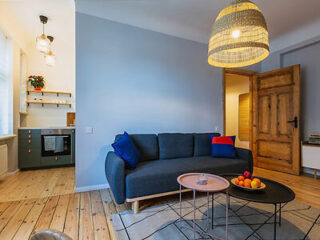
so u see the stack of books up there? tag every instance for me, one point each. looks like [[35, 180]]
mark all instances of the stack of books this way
[[314, 138]]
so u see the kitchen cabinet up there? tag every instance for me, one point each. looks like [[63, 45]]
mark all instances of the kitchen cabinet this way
[[30, 152]]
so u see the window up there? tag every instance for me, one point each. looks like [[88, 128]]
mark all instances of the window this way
[[5, 85]]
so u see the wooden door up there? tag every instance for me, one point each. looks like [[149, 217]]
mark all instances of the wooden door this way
[[276, 120]]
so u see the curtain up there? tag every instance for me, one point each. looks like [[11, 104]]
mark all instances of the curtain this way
[[5, 86]]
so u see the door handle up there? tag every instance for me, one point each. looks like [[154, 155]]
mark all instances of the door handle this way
[[295, 121]]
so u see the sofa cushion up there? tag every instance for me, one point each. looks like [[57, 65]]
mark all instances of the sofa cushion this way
[[147, 144], [161, 175], [125, 148], [223, 147], [175, 145], [202, 143]]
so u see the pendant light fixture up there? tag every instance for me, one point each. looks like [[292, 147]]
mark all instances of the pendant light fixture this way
[[49, 57], [42, 42], [239, 36]]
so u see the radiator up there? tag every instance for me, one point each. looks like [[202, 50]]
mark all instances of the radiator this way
[[3, 159]]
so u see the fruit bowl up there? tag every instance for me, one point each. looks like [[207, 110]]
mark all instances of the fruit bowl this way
[[262, 186]]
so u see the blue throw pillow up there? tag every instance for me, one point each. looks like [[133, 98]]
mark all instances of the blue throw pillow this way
[[223, 147], [125, 148]]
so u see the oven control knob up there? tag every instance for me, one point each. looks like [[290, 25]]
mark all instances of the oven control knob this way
[[56, 158], [29, 131], [29, 136], [29, 141], [29, 150]]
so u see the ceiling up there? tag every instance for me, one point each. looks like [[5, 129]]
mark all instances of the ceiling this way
[[24, 17], [192, 19]]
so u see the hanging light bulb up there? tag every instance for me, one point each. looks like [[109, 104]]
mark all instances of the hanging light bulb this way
[[50, 59], [42, 42]]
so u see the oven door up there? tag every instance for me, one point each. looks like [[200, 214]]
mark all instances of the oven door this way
[[55, 145]]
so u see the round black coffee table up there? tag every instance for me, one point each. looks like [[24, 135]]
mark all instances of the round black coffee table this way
[[275, 193]]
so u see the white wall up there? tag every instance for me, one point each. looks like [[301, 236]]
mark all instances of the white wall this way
[[234, 86], [60, 77]]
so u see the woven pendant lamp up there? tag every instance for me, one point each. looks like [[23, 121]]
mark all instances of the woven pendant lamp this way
[[239, 36]]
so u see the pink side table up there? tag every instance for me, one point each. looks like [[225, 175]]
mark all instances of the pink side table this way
[[214, 184]]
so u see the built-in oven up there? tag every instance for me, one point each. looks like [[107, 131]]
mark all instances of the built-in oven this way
[[56, 142]]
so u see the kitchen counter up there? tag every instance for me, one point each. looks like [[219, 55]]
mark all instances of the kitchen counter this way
[[47, 128]]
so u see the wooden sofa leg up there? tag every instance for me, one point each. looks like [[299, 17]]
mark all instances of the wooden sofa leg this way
[[135, 207]]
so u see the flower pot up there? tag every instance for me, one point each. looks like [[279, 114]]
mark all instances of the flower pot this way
[[38, 88]]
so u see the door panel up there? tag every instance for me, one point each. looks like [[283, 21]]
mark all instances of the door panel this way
[[275, 104]]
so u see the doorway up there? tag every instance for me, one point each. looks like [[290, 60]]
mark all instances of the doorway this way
[[237, 105]]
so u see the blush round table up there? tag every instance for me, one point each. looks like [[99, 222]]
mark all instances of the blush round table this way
[[214, 184]]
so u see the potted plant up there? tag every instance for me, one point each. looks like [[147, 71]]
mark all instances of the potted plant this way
[[37, 82]]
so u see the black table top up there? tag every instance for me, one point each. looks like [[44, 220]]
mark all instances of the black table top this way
[[274, 193]]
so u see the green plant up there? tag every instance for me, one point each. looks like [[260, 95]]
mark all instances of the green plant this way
[[36, 81]]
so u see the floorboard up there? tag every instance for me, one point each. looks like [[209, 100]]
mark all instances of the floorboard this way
[[48, 202]]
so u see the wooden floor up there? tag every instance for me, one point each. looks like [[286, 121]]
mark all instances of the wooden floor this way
[[79, 215], [306, 188], [48, 202], [37, 184]]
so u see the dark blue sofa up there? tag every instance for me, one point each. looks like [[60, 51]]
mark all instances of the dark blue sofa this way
[[164, 158]]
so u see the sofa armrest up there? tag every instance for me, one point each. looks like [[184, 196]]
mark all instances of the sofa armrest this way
[[115, 173], [246, 154]]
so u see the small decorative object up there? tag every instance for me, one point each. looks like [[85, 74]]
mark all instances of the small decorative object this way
[[247, 182], [203, 179], [239, 36], [37, 82]]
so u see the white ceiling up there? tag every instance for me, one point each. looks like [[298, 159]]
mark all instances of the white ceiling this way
[[24, 17], [192, 19]]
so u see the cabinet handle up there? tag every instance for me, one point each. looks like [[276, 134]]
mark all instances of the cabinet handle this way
[[29, 131], [56, 158], [29, 150], [29, 136], [29, 141]]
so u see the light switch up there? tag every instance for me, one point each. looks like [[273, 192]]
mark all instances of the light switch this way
[[89, 130]]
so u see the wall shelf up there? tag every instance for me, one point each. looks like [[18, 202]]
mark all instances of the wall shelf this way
[[45, 102], [45, 91]]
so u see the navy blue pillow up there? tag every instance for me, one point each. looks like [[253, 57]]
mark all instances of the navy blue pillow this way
[[125, 148], [223, 147]]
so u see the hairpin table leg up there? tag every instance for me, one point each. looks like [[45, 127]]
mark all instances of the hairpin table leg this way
[[212, 211], [194, 214], [180, 203], [227, 214]]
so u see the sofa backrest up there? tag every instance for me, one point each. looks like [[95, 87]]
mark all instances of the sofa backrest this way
[[147, 144], [171, 145], [175, 145], [202, 144]]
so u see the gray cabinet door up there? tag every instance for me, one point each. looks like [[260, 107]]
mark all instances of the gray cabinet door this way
[[29, 145], [55, 161], [29, 157]]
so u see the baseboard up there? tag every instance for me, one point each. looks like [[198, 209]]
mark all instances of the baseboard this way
[[91, 188], [9, 173]]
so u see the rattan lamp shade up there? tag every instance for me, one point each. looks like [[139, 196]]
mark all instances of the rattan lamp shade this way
[[239, 36]]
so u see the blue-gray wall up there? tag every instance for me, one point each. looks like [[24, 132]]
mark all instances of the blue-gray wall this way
[[307, 54], [140, 81]]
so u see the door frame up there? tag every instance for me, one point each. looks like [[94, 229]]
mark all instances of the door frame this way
[[250, 74]]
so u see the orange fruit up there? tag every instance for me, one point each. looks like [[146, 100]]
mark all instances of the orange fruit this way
[[241, 183], [254, 184], [241, 178], [247, 183], [236, 181]]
